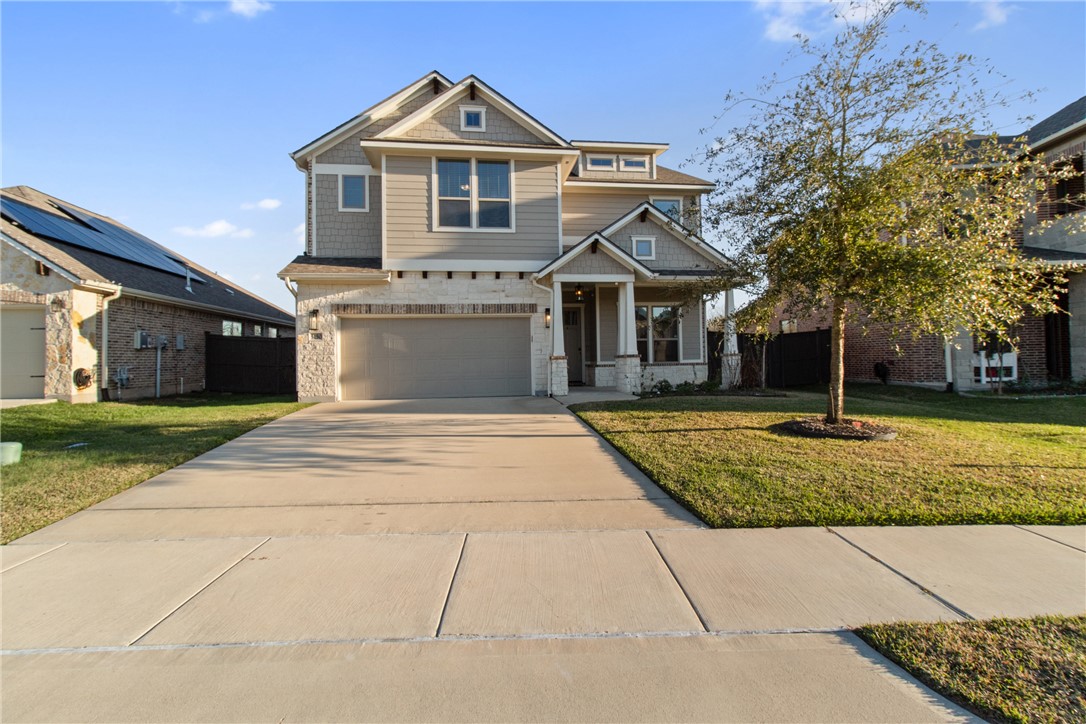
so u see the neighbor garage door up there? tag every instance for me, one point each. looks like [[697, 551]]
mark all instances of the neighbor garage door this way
[[390, 359], [22, 353]]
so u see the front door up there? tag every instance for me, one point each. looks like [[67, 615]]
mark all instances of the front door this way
[[574, 334]]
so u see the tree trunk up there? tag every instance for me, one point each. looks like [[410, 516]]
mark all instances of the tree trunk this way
[[836, 409]]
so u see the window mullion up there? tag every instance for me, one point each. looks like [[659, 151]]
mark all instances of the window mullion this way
[[474, 194]]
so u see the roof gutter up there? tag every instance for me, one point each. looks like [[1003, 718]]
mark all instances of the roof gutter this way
[[1069, 130]]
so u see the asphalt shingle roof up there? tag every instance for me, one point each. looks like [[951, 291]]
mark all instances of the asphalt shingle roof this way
[[664, 177], [1066, 117], [330, 265]]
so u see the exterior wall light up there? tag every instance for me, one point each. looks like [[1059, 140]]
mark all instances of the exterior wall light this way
[[547, 317], [578, 293], [57, 304], [313, 315]]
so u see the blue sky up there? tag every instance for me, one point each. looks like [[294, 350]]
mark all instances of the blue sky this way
[[177, 118]]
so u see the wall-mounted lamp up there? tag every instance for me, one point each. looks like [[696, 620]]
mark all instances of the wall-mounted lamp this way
[[547, 317], [57, 304], [578, 293], [313, 315]]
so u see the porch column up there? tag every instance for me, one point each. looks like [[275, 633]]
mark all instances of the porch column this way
[[629, 320], [559, 365], [558, 336], [627, 363], [729, 354]]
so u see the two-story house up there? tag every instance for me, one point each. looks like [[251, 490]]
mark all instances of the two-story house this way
[[457, 247]]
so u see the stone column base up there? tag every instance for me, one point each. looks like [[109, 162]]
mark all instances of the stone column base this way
[[628, 373], [559, 376]]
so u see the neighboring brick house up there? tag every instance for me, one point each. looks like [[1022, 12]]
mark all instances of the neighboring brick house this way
[[456, 246], [90, 310], [1051, 348]]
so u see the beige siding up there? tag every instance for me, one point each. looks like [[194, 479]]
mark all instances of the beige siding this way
[[608, 324], [347, 233], [693, 332], [671, 252], [583, 213], [599, 263], [409, 217], [445, 125]]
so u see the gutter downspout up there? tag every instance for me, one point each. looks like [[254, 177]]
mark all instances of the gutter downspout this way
[[554, 315], [104, 375], [948, 360], [293, 291]]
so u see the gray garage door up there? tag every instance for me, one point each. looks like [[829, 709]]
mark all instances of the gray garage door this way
[[391, 359], [22, 353]]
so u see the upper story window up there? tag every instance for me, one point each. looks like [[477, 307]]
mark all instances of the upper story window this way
[[473, 118], [231, 328], [644, 247], [1067, 194], [671, 207], [634, 163], [600, 163], [352, 193], [474, 194]]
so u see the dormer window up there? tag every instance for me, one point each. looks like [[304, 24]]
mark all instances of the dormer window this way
[[601, 163], [635, 163], [473, 118]]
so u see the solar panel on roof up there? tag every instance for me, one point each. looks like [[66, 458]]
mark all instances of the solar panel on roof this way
[[103, 237]]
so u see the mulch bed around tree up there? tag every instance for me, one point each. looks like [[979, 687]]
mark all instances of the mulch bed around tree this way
[[848, 429]]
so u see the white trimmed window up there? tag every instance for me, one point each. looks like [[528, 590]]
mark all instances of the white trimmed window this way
[[644, 247], [634, 163], [231, 328], [600, 163], [352, 193], [673, 207], [474, 194], [657, 333], [473, 118]]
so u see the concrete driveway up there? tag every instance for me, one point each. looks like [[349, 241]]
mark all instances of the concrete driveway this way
[[477, 560], [418, 466]]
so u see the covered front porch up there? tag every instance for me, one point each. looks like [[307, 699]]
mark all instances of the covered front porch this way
[[623, 334]]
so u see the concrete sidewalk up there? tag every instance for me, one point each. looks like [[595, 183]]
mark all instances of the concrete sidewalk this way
[[491, 591]]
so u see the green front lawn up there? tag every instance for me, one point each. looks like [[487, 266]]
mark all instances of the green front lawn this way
[[126, 443], [957, 460], [1005, 670]]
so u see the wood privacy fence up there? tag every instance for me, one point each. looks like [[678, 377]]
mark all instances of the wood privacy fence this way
[[250, 364], [801, 358]]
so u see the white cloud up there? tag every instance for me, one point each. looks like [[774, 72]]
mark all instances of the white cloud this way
[[299, 233], [214, 230], [993, 13], [249, 8], [784, 20], [263, 204]]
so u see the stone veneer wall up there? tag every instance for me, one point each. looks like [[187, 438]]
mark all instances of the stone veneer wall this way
[[317, 354], [1076, 306]]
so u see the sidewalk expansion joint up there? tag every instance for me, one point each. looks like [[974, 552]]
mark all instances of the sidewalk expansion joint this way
[[1048, 538], [33, 558], [198, 592], [923, 589], [452, 582], [678, 583], [447, 639]]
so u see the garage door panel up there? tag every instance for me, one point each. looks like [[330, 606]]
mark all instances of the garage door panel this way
[[441, 357]]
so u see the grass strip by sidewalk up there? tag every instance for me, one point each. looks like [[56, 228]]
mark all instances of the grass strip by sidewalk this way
[[1005, 670], [956, 461], [126, 443]]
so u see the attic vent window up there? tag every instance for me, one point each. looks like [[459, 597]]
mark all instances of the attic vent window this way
[[473, 118]]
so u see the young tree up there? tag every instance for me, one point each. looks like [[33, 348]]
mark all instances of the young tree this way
[[859, 185]]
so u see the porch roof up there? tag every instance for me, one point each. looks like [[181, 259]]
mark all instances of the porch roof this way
[[600, 242]]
